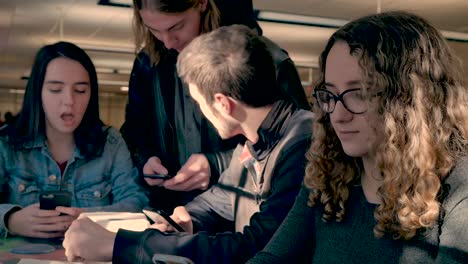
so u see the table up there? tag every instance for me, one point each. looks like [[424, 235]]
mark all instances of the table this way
[[10, 242]]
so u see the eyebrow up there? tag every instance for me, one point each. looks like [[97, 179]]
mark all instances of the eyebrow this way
[[354, 82], [171, 27], [60, 82]]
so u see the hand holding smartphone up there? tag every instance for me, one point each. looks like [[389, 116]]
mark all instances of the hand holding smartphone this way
[[157, 215], [51, 199]]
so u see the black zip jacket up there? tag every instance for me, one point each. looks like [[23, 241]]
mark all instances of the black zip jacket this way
[[236, 217]]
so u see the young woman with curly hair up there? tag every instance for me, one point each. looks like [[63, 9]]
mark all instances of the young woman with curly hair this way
[[387, 178]]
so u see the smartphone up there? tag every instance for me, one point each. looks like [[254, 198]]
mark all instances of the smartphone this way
[[51, 199], [158, 176], [173, 259], [155, 216]]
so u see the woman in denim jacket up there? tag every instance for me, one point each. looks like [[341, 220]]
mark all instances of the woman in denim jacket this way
[[59, 143]]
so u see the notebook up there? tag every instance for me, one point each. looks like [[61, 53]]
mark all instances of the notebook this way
[[113, 221]]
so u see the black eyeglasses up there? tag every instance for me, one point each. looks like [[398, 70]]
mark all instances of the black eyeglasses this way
[[353, 100]]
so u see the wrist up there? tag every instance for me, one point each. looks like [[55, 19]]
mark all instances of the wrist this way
[[108, 248], [10, 220]]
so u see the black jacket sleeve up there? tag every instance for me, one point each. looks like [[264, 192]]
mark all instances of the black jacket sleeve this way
[[294, 240], [137, 129], [226, 247]]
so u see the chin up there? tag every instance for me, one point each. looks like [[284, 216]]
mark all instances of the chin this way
[[67, 130], [355, 151]]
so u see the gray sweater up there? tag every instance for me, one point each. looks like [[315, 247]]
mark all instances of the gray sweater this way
[[353, 241]]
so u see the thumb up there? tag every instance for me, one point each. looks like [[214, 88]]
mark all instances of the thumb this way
[[182, 214]]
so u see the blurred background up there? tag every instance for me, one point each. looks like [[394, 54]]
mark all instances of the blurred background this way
[[103, 29]]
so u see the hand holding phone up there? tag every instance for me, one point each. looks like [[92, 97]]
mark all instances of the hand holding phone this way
[[51, 199], [157, 215]]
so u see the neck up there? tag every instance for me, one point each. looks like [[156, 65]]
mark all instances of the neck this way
[[61, 145], [254, 118], [371, 180]]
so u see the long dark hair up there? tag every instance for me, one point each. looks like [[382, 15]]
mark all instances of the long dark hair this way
[[30, 124]]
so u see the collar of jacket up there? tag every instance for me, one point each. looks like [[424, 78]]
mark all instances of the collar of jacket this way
[[40, 142], [271, 129]]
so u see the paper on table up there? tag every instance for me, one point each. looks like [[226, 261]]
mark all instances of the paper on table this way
[[112, 221], [38, 261]]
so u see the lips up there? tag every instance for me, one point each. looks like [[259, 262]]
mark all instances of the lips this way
[[347, 134], [67, 118]]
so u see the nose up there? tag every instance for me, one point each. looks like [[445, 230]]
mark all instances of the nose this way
[[68, 97], [341, 114], [169, 40]]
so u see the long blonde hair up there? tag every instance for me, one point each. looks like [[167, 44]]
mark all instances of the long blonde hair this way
[[144, 39], [424, 110]]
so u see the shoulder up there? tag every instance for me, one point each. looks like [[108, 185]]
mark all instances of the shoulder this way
[[113, 136], [297, 135], [455, 186], [142, 62], [279, 54], [458, 177], [302, 117], [4, 142], [143, 56], [300, 123], [4, 133]]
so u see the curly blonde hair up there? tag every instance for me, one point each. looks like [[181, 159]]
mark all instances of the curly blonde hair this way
[[424, 110], [145, 40]]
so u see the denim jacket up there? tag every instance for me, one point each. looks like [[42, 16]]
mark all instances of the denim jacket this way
[[106, 183]]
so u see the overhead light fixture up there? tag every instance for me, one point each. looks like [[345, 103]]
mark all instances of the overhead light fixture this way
[[113, 70], [455, 36], [113, 83], [118, 3], [316, 21], [124, 88], [287, 18], [16, 91], [112, 49]]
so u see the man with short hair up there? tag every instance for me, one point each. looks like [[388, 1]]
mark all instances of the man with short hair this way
[[231, 75]]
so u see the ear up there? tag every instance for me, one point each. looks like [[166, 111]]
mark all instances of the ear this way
[[224, 103], [202, 5]]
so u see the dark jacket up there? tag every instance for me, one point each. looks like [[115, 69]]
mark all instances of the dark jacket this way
[[162, 120], [253, 207]]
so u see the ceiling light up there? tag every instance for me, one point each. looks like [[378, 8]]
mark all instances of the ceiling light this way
[[113, 83], [288, 18], [112, 70], [315, 21], [16, 91], [124, 88], [119, 3], [455, 36], [113, 49]]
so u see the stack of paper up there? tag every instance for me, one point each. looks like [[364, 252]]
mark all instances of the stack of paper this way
[[38, 261], [113, 221]]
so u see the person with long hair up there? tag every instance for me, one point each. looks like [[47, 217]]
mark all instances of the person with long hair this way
[[59, 144], [164, 128], [387, 173]]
